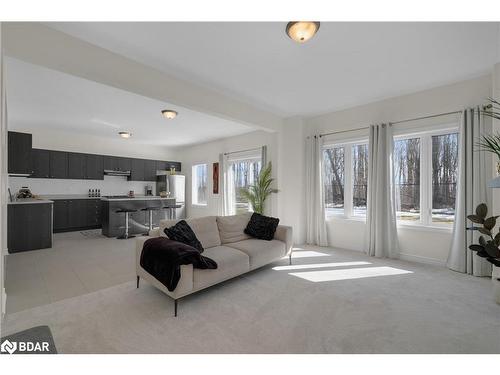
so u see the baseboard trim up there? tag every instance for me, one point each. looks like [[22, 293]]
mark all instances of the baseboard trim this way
[[420, 259]]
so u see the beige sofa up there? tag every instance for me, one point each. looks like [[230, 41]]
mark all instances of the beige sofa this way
[[225, 242]]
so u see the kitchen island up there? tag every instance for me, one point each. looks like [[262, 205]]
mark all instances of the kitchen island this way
[[113, 223]]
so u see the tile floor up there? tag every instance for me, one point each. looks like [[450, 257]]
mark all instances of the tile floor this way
[[75, 265]]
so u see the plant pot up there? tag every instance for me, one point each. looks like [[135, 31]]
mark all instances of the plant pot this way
[[495, 278]]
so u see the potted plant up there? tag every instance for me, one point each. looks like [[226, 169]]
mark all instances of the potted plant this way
[[257, 194], [489, 242], [491, 143]]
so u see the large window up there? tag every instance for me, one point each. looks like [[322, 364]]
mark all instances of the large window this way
[[425, 169], [244, 173], [199, 184], [345, 176]]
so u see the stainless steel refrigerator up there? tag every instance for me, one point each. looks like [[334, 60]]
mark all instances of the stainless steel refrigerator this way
[[176, 185]]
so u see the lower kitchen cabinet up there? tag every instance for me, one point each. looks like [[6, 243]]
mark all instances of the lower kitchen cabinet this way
[[77, 214], [29, 226]]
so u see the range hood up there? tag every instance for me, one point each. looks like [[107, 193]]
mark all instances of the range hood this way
[[110, 172]]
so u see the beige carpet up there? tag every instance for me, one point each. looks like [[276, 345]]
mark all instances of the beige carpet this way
[[428, 310]]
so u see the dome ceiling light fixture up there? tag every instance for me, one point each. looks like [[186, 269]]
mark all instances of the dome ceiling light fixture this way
[[169, 114], [301, 31], [125, 134]]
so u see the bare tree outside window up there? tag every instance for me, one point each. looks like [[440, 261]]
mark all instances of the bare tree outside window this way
[[444, 177], [407, 178], [246, 173], [334, 179], [359, 179]]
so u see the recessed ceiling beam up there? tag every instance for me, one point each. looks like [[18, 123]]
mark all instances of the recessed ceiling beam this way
[[41, 45]]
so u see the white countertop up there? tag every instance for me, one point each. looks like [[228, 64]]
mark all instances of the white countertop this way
[[32, 201], [138, 198], [68, 196]]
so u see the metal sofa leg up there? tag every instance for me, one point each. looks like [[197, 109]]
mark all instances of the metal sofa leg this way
[[175, 307], [290, 258], [138, 282]]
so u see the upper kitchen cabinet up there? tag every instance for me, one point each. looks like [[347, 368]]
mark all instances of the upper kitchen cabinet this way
[[58, 164], [149, 170], [40, 163], [161, 165], [137, 171], [124, 164], [19, 153], [76, 166], [110, 163], [94, 167]]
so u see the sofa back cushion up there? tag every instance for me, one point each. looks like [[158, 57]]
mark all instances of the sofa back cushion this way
[[231, 227], [205, 229]]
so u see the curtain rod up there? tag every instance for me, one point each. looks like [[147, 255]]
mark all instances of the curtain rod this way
[[488, 106], [237, 152]]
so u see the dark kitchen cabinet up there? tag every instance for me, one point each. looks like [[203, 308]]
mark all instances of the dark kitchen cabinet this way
[[40, 163], [60, 215], [149, 170], [137, 171], [124, 164], [29, 226], [19, 153], [58, 164], [94, 213], [76, 166], [161, 165], [94, 167], [174, 164], [77, 213], [111, 163]]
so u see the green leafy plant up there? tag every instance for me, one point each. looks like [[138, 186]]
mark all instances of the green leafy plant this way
[[491, 143], [257, 194], [488, 247]]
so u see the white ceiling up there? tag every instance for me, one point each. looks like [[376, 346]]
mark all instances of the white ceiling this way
[[44, 98], [344, 65]]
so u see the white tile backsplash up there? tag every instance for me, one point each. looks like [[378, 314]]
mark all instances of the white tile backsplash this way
[[111, 185]]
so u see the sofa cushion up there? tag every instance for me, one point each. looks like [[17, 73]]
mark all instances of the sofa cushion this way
[[231, 227], [261, 252], [262, 227], [230, 263], [182, 232], [205, 228]]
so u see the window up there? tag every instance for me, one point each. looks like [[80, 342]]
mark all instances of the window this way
[[345, 175], [244, 173], [199, 184], [425, 171]]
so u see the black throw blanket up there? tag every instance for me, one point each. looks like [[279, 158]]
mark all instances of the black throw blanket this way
[[163, 257]]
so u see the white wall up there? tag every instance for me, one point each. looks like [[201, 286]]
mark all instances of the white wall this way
[[3, 185], [426, 245], [209, 153]]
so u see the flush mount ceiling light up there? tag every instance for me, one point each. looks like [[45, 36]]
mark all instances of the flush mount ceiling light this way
[[169, 113], [301, 31], [125, 134]]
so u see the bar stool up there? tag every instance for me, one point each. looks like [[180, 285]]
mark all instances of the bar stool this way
[[171, 211], [126, 211], [150, 217]]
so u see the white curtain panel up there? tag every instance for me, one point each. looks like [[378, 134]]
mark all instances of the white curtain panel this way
[[471, 191], [226, 188], [382, 240], [315, 202]]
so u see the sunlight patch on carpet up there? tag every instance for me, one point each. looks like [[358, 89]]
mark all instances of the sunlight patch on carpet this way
[[318, 265], [307, 254], [353, 273]]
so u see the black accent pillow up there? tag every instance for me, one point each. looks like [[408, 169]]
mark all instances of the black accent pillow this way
[[182, 232], [262, 227]]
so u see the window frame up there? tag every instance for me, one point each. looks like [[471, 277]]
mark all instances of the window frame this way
[[194, 185], [348, 213], [425, 136]]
